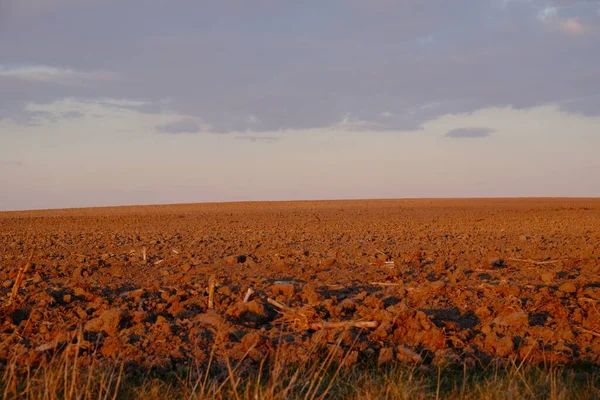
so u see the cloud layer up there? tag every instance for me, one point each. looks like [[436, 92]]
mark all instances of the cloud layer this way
[[459, 133], [48, 74], [265, 66], [180, 126]]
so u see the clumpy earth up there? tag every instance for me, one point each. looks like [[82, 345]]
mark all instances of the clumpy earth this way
[[433, 282]]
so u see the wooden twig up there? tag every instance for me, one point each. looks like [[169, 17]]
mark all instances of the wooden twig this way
[[211, 292], [248, 294], [135, 292], [529, 261], [22, 271], [278, 304], [384, 284], [343, 325], [334, 286]]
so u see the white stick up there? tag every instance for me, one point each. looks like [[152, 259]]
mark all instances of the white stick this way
[[248, 294]]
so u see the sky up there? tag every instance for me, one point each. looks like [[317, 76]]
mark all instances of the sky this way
[[118, 102]]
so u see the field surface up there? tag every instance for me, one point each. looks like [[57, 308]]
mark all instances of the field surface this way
[[416, 282]]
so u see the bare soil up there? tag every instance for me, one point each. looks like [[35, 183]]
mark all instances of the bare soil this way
[[431, 281]]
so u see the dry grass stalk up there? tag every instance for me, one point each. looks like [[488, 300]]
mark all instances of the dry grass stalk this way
[[22, 271], [65, 377], [211, 291]]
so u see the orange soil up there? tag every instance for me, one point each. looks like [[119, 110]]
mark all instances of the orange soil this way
[[437, 278]]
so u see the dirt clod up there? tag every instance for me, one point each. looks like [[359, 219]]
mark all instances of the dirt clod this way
[[386, 355], [515, 319], [108, 321], [568, 287]]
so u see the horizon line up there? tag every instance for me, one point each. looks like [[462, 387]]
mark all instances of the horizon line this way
[[332, 200]]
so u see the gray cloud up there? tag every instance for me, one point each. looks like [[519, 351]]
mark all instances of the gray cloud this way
[[181, 126], [259, 139], [27, 117], [388, 65], [11, 163], [459, 133], [588, 106]]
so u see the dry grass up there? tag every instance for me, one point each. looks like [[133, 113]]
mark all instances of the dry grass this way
[[64, 378]]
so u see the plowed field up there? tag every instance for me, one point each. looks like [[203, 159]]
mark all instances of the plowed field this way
[[420, 281]]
